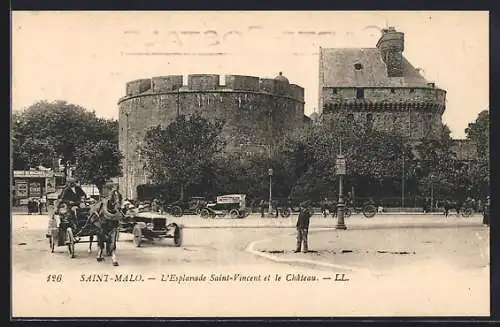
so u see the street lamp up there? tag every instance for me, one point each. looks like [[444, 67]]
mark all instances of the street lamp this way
[[432, 192], [341, 170], [270, 171]]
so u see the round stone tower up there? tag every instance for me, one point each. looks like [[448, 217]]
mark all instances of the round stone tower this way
[[256, 111]]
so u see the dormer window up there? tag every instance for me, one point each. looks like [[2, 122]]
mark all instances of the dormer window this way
[[358, 66]]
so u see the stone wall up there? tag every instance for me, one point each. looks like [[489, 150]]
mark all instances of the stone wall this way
[[411, 112]]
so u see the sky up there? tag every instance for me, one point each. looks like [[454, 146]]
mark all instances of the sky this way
[[86, 58]]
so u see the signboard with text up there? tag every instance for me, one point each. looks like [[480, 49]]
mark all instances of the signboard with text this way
[[22, 189], [35, 189]]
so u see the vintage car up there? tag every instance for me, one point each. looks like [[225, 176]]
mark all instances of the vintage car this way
[[150, 226], [232, 204], [191, 206]]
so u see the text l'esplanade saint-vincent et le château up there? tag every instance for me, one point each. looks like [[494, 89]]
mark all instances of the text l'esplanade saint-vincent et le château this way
[[181, 278]]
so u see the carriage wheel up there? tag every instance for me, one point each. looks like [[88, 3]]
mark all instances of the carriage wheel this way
[[177, 236], [285, 213], [242, 214], [176, 211], [369, 211], [137, 232], [467, 212], [234, 213], [71, 242], [204, 213]]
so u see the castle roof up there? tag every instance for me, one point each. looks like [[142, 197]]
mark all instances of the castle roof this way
[[338, 68]]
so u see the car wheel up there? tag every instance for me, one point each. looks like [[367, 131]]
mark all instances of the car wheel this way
[[285, 213], [234, 213], [176, 211], [369, 211], [177, 236], [204, 213]]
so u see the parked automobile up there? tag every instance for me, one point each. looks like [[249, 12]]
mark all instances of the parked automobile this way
[[190, 207], [232, 204]]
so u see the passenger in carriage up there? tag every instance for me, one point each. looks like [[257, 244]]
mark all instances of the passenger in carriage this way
[[72, 195]]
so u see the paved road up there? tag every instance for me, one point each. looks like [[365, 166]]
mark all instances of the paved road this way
[[218, 254]]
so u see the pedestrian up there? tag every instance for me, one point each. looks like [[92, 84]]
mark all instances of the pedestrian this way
[[324, 207], [486, 211], [40, 206], [473, 204], [457, 207], [262, 208], [446, 207], [303, 226]]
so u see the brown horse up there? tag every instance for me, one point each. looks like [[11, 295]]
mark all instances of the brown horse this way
[[106, 216]]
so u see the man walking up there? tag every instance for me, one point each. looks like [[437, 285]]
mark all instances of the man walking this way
[[486, 211], [303, 226]]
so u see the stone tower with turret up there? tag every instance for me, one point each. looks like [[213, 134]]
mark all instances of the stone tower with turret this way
[[379, 88]]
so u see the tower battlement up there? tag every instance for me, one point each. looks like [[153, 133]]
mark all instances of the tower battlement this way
[[211, 82]]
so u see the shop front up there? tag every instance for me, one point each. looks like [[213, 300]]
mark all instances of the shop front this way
[[30, 184]]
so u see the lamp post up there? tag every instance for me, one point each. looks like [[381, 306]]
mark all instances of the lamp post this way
[[403, 175], [270, 171], [340, 170], [432, 191]]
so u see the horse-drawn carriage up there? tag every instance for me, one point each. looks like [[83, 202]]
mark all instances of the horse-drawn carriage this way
[[150, 226], [69, 224]]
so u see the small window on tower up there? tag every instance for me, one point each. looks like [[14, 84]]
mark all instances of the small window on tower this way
[[412, 90], [369, 122], [358, 66], [360, 93], [393, 90], [334, 91]]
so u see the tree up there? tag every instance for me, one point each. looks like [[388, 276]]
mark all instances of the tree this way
[[479, 133], [64, 127], [32, 153], [98, 162], [309, 157], [478, 170], [179, 153], [438, 164]]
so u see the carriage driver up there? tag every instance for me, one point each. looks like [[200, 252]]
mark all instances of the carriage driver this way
[[72, 194]]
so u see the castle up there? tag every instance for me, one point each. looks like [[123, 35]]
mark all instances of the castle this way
[[379, 88], [256, 111]]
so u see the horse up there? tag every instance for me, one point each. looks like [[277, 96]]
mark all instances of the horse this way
[[106, 217]]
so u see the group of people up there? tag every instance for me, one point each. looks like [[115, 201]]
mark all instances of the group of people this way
[[37, 205], [73, 196]]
